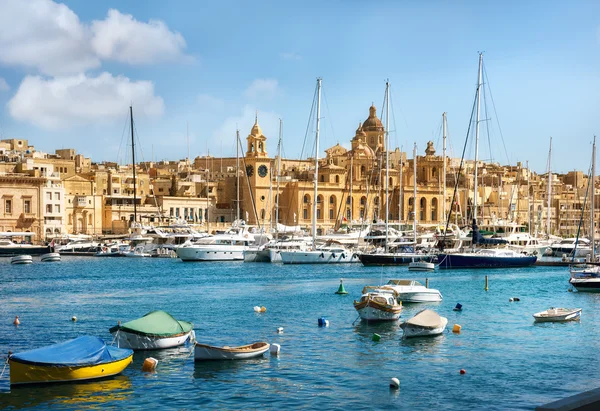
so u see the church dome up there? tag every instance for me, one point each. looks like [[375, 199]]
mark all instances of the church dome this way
[[360, 132], [372, 123]]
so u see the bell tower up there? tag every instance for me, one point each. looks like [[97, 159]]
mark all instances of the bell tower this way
[[258, 173], [257, 146]]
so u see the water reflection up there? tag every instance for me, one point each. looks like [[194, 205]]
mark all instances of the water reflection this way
[[92, 395], [423, 344], [225, 369], [386, 329]]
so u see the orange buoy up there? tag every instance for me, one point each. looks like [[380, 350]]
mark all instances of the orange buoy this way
[[456, 329], [149, 364], [463, 371], [16, 321]]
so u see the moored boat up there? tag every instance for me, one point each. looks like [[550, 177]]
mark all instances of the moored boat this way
[[50, 257], [83, 358], [21, 259], [378, 304], [155, 330], [421, 266], [411, 291], [558, 315], [203, 352], [425, 323]]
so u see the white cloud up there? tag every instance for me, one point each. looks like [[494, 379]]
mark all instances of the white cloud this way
[[290, 56], [262, 88], [268, 121], [44, 35], [210, 103], [63, 102], [122, 38], [4, 85]]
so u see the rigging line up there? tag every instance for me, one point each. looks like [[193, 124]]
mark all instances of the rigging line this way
[[487, 123], [122, 137], [139, 145], [328, 112], [581, 217], [495, 112], [394, 121], [462, 160]]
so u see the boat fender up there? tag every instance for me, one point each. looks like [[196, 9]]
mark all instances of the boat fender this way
[[16, 321], [322, 322], [333, 255], [274, 350], [322, 255], [395, 383], [149, 364], [74, 319], [343, 255], [354, 255]]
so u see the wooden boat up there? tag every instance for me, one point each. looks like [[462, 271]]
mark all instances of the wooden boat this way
[[50, 257], [425, 323], [421, 266], [155, 330], [80, 359], [21, 259], [378, 304], [203, 352], [558, 315]]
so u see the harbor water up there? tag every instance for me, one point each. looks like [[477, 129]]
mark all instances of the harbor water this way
[[510, 362]]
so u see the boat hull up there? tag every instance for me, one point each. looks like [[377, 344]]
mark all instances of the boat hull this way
[[21, 373], [124, 339], [419, 297], [412, 331], [50, 257], [573, 315], [318, 257], [371, 311], [203, 352], [421, 266], [391, 259], [590, 285], [21, 259], [198, 254], [25, 250], [450, 261]]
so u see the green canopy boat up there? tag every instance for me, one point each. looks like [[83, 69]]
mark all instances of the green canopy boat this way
[[155, 330]]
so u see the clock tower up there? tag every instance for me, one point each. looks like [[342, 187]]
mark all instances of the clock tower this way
[[258, 173]]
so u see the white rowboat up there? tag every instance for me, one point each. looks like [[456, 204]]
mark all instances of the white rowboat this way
[[50, 257], [558, 314], [21, 259], [203, 352], [421, 266]]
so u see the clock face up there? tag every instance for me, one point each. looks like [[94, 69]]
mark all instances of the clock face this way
[[249, 171], [263, 170]]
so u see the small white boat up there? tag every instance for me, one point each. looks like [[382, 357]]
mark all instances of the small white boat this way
[[21, 259], [558, 314], [411, 291], [203, 352], [50, 257], [425, 323], [378, 304], [421, 266]]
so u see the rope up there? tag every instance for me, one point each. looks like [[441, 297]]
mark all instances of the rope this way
[[116, 335], [4, 368]]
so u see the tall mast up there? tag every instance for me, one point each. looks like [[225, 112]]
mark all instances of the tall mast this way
[[237, 174], [351, 184], [316, 179], [387, 159], [549, 189], [444, 157], [400, 197], [528, 200], [278, 171], [133, 166], [479, 85], [415, 194], [592, 206]]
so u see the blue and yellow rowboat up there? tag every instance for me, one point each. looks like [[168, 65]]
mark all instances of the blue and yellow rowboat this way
[[80, 359]]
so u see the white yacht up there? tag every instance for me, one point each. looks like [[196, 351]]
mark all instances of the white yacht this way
[[567, 247], [411, 291], [325, 254], [219, 247], [518, 238], [79, 246]]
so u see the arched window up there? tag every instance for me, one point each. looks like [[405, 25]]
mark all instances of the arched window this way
[[362, 170], [319, 199], [332, 200], [423, 208], [363, 200], [434, 211], [306, 199], [434, 172], [376, 201], [411, 202], [348, 200]]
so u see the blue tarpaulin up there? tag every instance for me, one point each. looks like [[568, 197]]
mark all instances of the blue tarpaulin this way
[[86, 350]]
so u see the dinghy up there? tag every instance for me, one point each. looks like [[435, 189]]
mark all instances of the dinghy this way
[[425, 323], [558, 315], [80, 359], [203, 352], [155, 330], [421, 266], [50, 257], [21, 259]]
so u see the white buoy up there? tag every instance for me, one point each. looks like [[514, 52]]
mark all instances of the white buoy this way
[[274, 350], [395, 383], [257, 309], [73, 318], [279, 330], [326, 323], [510, 300]]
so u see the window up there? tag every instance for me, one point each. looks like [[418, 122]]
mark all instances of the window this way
[[57, 196], [49, 208], [48, 196], [57, 208], [8, 206], [331, 214], [90, 219], [306, 199], [337, 179], [332, 200], [318, 213], [322, 178], [171, 212], [305, 214], [27, 206]]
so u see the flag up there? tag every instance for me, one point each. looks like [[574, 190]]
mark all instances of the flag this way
[[344, 219]]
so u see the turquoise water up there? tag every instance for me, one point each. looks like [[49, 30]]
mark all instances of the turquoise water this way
[[510, 362]]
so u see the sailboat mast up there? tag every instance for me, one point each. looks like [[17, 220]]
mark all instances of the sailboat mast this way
[[278, 171], [592, 206], [400, 187], [479, 85], [316, 178], [237, 174], [415, 194], [549, 189], [444, 158], [351, 184], [133, 166], [528, 200], [387, 160]]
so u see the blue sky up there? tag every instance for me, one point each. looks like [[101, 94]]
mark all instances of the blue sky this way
[[69, 71]]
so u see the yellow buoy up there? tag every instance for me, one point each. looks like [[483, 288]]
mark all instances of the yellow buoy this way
[[456, 329], [263, 309], [16, 321], [149, 364]]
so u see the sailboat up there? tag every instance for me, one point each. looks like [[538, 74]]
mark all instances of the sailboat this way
[[483, 257], [586, 277], [329, 253]]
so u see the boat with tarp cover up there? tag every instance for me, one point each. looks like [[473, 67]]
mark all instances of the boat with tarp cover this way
[[155, 330], [426, 323], [80, 359]]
